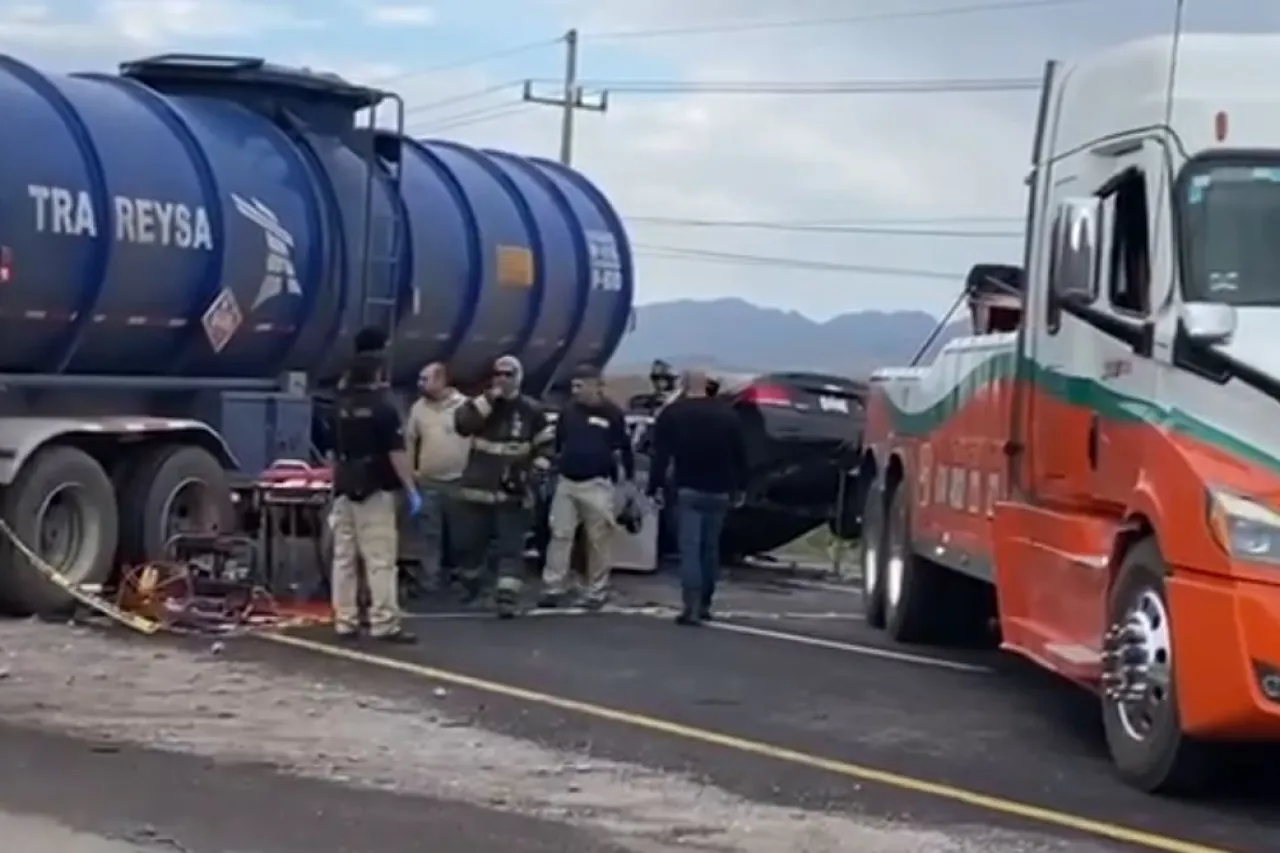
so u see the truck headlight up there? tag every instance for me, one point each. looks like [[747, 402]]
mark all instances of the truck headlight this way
[[1246, 529]]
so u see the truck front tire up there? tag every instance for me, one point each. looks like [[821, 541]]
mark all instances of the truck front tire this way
[[63, 508], [1140, 692]]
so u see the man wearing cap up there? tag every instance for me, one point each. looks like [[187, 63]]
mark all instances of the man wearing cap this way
[[371, 466], [509, 434], [591, 441], [662, 387]]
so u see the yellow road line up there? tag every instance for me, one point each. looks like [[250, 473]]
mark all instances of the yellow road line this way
[[862, 773]]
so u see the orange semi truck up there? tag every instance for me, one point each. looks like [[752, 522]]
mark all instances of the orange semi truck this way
[[1098, 466]]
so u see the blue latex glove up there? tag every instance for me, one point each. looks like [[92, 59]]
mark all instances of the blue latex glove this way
[[415, 503]]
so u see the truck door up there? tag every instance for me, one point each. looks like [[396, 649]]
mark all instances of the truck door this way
[[1055, 418], [1095, 358], [1129, 338]]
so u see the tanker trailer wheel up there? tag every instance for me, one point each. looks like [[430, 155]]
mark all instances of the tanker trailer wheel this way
[[1139, 692], [915, 588], [61, 507], [172, 489], [873, 558]]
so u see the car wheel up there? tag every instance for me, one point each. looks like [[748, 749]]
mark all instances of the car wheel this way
[[873, 554], [1140, 693], [915, 588]]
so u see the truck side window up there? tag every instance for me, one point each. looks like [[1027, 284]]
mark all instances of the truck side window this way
[[1129, 267], [1072, 256], [1052, 311]]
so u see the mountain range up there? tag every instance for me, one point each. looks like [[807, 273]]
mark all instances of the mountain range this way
[[735, 335]]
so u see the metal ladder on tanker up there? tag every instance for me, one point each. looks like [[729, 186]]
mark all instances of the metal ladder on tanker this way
[[383, 232]]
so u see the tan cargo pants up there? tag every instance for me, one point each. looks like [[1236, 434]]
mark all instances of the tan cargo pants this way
[[365, 531], [590, 504]]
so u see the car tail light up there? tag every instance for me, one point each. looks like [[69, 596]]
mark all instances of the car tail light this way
[[767, 395], [6, 264]]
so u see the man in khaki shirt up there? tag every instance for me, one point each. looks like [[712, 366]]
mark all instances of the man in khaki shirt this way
[[439, 455]]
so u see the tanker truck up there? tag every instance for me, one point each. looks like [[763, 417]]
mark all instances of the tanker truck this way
[[1098, 467], [187, 249]]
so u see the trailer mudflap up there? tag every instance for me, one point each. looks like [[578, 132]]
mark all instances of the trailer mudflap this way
[[1052, 576]]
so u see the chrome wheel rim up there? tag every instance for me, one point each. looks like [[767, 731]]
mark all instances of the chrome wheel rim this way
[[896, 564], [1138, 666], [870, 569]]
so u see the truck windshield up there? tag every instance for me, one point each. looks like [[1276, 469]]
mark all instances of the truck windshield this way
[[1230, 223]]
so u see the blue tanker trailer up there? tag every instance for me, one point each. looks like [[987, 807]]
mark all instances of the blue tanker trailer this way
[[187, 249]]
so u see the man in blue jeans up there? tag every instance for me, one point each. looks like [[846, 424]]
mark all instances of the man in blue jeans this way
[[699, 437]]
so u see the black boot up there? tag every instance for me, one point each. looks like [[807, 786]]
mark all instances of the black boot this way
[[472, 590], [704, 607], [690, 612], [506, 602]]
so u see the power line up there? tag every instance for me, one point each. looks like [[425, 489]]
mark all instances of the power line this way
[[680, 253], [846, 221], [477, 59], [815, 87], [925, 220], [821, 229], [473, 95], [466, 119], [798, 23]]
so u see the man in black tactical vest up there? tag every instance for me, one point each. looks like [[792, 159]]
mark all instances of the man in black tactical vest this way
[[509, 436], [371, 465]]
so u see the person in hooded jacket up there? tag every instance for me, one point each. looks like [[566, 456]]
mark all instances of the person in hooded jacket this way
[[509, 437]]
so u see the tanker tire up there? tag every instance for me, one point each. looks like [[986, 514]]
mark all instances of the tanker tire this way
[[873, 559], [1166, 761], [24, 590], [154, 479], [919, 612]]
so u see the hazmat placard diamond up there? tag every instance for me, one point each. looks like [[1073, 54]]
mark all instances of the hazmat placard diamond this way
[[222, 319]]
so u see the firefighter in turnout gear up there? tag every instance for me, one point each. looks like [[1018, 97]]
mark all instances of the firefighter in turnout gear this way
[[510, 436]]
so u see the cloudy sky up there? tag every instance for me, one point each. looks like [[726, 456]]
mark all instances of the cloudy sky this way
[[828, 173]]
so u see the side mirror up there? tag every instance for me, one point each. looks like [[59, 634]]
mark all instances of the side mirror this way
[[1075, 251], [1208, 323]]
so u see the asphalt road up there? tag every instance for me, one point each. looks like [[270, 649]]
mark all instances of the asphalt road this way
[[792, 665], [770, 730], [103, 797]]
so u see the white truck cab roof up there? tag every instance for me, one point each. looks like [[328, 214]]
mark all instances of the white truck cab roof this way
[[1127, 87]]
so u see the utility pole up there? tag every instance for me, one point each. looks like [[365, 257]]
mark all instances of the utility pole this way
[[571, 99]]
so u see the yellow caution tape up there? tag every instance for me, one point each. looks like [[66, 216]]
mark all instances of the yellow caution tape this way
[[94, 602]]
